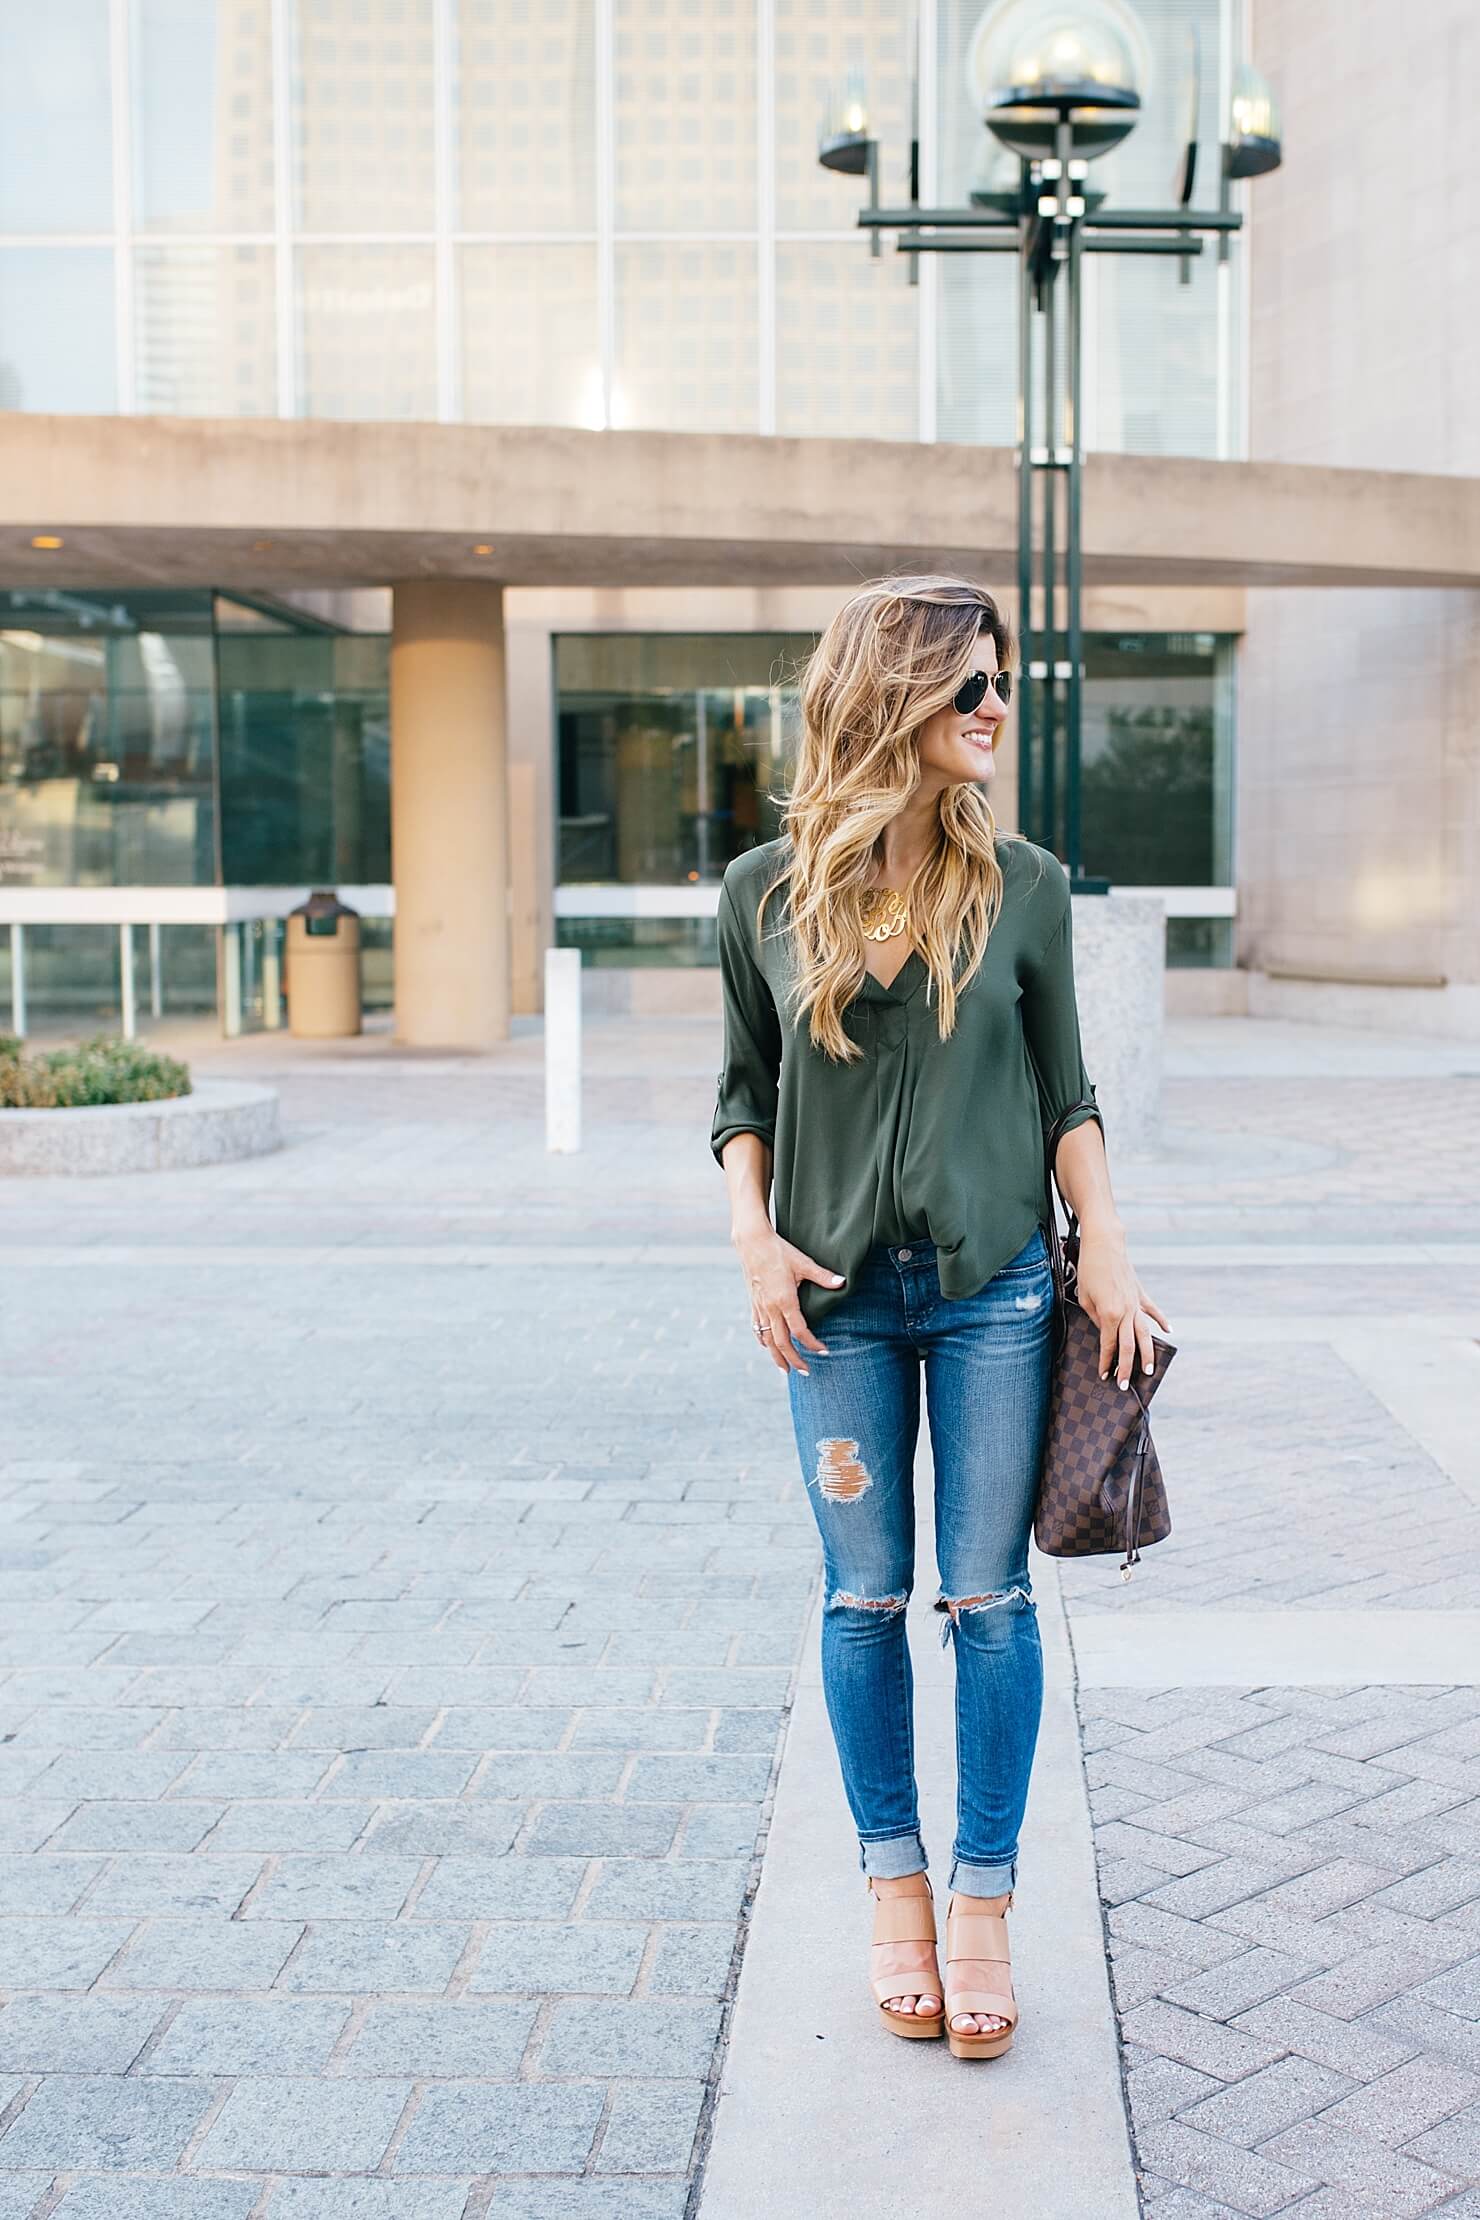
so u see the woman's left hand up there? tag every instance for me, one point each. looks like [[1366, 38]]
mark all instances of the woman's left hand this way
[[1119, 1305]]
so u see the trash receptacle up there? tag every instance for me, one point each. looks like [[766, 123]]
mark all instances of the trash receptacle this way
[[323, 961]]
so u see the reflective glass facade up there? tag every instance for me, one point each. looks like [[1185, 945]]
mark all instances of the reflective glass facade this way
[[107, 740], [304, 757], [342, 208], [188, 739], [183, 740], [673, 751]]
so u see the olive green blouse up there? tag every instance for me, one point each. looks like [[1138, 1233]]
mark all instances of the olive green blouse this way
[[919, 1139]]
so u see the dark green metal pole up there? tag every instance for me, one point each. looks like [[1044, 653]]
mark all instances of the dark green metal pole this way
[[1050, 564], [1073, 553], [1027, 783]]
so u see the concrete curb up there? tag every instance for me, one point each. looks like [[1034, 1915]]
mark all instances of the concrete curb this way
[[819, 2109], [221, 1122], [1305, 1647]]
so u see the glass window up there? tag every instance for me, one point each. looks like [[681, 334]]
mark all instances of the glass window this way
[[56, 118], [1199, 943], [1157, 770], [305, 757], [977, 359], [73, 982], [202, 94], [526, 116], [368, 332], [686, 337], [685, 100], [56, 329], [670, 747], [363, 109], [846, 328], [205, 331], [637, 943], [548, 295], [816, 54], [1151, 356], [107, 743]]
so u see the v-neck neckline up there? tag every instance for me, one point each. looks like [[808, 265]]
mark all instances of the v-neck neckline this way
[[905, 983]]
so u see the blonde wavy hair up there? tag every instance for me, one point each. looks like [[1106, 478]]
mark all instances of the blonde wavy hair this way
[[892, 656]]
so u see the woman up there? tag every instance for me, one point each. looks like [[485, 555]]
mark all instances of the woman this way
[[900, 1037]]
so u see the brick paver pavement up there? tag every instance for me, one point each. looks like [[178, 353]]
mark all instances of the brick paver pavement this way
[[1292, 1883], [391, 1670], [1291, 1484]]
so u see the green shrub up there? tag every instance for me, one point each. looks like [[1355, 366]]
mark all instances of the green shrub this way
[[95, 1072]]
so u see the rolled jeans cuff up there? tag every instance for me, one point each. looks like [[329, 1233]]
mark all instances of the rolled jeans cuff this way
[[968, 1879], [891, 1859]]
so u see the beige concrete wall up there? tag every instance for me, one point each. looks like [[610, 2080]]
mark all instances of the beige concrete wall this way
[[1359, 712], [244, 502]]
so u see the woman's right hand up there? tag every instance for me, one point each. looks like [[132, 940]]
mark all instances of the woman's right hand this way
[[773, 1270]]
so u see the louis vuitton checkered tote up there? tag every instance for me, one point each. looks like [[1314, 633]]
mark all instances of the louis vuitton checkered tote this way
[[1100, 1487]]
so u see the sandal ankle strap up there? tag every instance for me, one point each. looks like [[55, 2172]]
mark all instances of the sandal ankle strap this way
[[976, 1935], [904, 1919]]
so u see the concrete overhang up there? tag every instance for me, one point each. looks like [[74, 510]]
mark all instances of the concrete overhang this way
[[173, 501]]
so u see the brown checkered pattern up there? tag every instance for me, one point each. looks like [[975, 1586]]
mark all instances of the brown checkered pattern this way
[[1090, 1499]]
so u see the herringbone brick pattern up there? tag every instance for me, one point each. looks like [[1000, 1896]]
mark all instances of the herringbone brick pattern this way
[[1291, 1882], [1291, 1485], [1344, 1157]]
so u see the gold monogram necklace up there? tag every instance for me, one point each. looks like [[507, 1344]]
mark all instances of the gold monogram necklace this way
[[886, 913]]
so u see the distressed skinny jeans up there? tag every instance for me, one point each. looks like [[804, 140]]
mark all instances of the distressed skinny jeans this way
[[856, 1417]]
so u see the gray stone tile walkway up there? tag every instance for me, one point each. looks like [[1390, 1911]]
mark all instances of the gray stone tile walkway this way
[[391, 1674]]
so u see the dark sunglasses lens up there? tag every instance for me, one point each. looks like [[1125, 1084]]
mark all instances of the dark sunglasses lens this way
[[974, 692]]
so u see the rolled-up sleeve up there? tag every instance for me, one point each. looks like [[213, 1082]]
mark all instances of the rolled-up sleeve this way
[[1051, 1025], [748, 1083]]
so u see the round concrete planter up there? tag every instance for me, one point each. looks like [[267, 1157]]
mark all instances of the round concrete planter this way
[[220, 1122]]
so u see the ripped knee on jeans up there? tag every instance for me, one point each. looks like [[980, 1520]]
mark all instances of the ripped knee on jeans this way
[[956, 1606], [842, 1600]]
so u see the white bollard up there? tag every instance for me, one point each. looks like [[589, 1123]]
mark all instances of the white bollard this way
[[562, 1049], [272, 976], [18, 981], [229, 945], [126, 980]]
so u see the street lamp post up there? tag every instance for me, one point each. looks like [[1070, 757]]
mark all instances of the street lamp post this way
[[1057, 86]]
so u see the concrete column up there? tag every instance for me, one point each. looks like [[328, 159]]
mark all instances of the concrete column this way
[[449, 813]]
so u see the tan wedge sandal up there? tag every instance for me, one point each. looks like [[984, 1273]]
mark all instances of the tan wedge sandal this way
[[982, 1938], [908, 1918]]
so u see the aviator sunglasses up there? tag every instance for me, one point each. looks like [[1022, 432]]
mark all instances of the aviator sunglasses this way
[[974, 692]]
